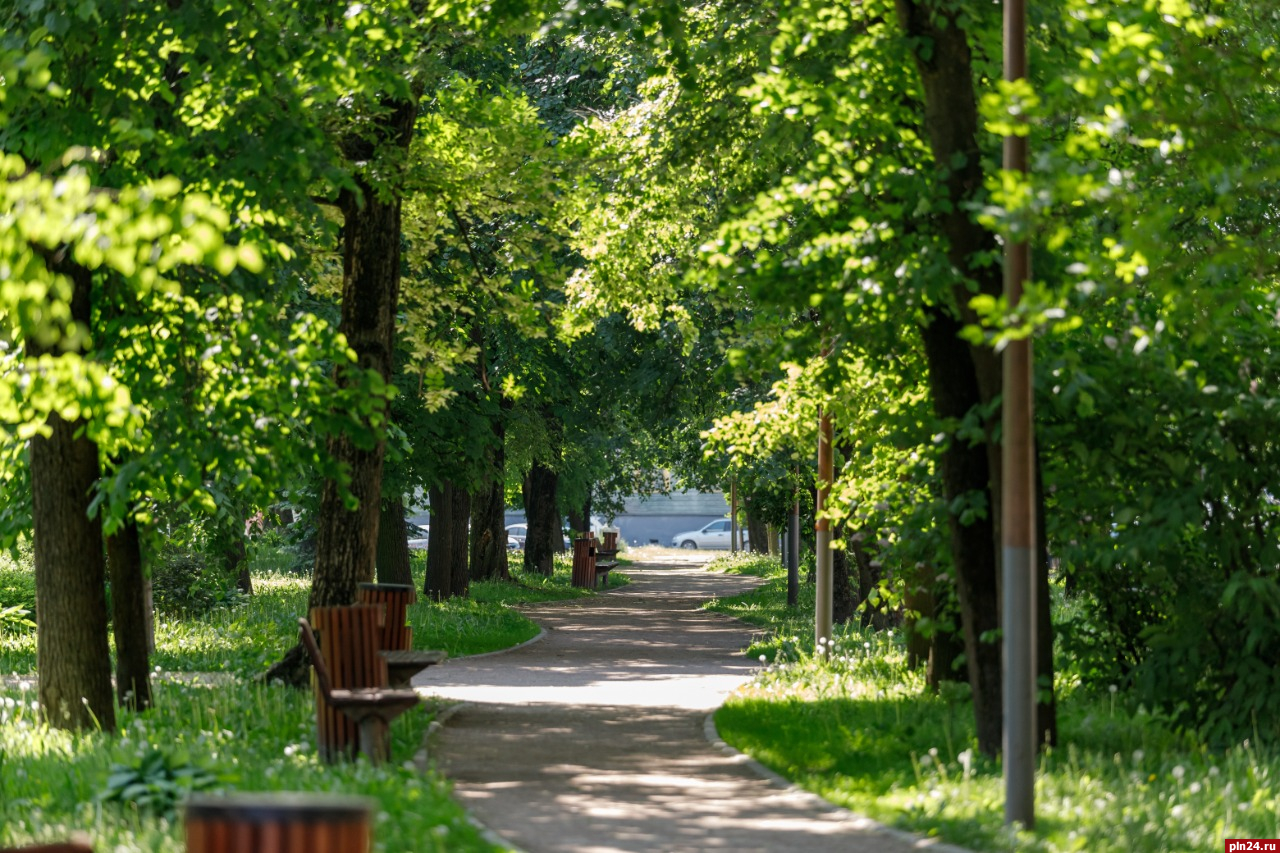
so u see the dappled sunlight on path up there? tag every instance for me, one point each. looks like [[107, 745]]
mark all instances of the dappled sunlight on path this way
[[593, 739]]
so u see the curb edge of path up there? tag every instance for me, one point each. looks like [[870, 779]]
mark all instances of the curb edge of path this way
[[423, 761], [538, 637], [861, 822]]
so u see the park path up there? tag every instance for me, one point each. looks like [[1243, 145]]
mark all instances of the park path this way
[[594, 739]]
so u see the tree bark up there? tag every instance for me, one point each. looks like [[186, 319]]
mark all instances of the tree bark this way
[[1047, 704], [843, 604], [129, 617], [393, 545], [461, 547], [347, 538], [758, 537], [963, 376], [489, 512], [544, 520], [438, 584], [231, 549], [965, 477], [72, 654]]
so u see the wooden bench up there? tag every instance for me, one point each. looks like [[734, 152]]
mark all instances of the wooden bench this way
[[606, 561], [396, 637], [354, 702]]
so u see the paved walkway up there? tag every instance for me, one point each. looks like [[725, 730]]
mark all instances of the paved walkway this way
[[594, 739]]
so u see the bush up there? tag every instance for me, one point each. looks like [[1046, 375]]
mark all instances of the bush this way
[[186, 581]]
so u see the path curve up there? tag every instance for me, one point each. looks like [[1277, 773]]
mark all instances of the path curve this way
[[593, 740]]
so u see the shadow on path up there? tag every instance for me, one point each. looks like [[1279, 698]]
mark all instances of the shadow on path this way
[[593, 739]]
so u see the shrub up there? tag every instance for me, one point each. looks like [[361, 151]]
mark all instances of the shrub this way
[[187, 581]]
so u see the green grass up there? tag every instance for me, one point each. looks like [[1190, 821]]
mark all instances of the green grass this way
[[255, 737], [859, 729], [252, 736]]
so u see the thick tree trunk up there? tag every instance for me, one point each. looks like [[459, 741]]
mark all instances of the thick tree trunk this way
[[489, 512], [918, 600], [72, 654], [544, 520], [347, 539], [758, 536], [965, 481], [461, 548], [438, 584], [232, 551], [843, 604], [393, 545], [961, 376], [129, 617]]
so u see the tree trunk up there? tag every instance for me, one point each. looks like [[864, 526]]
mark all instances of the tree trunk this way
[[72, 655], [129, 617], [544, 520], [965, 480], [961, 376], [347, 539], [1047, 704], [918, 602], [438, 584], [393, 545], [843, 604], [461, 548], [489, 512], [232, 551], [758, 536]]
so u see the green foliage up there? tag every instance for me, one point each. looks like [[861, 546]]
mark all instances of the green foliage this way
[[157, 782], [185, 580]]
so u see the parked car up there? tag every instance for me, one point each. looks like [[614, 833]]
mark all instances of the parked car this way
[[417, 536], [520, 532], [712, 535], [517, 533]]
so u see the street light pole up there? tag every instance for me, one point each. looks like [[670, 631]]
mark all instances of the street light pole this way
[[1017, 521], [822, 608]]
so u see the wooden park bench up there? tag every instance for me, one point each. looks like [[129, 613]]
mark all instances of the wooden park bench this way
[[396, 636], [354, 702], [606, 558]]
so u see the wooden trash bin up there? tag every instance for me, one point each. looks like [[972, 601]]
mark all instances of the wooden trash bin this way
[[349, 642], [278, 823], [396, 634], [584, 563], [609, 541]]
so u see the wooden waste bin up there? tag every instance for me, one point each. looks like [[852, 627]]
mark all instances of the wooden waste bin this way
[[396, 634], [584, 563], [278, 823]]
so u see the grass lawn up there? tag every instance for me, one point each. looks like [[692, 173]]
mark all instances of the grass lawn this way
[[860, 730], [233, 733]]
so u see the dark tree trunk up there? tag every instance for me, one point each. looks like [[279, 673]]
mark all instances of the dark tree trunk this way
[[917, 599], [461, 548], [543, 516], [231, 549], [961, 377], [945, 650], [438, 584], [72, 654], [843, 604], [129, 617], [965, 480], [578, 524], [347, 539], [489, 544], [489, 511], [1047, 704], [393, 545], [758, 539]]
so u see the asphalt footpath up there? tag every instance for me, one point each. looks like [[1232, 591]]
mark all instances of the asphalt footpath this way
[[597, 737]]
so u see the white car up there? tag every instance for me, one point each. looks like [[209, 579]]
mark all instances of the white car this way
[[417, 536], [712, 535]]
